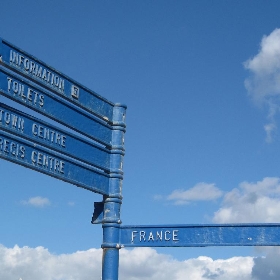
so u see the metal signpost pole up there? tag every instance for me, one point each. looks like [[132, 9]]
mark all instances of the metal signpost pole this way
[[112, 202]]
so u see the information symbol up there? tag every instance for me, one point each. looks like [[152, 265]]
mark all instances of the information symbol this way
[[75, 92]]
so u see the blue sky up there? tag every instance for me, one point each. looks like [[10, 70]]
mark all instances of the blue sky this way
[[200, 79]]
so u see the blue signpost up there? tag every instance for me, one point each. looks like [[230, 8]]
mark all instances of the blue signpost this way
[[93, 162]]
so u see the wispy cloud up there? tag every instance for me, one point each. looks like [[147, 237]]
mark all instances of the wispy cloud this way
[[200, 192], [37, 201], [251, 202], [71, 203], [263, 85]]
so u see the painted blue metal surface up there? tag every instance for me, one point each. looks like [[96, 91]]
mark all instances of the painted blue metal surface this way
[[30, 155], [200, 235], [112, 203], [33, 129], [35, 144], [110, 267], [63, 86], [44, 102]]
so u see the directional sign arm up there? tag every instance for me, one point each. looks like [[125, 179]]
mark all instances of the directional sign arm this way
[[30, 155], [44, 102], [33, 129], [39, 72], [201, 235]]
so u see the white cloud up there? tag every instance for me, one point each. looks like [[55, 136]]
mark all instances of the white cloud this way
[[39, 263], [137, 264], [37, 201], [71, 203], [270, 129], [200, 192], [158, 197], [251, 202], [264, 83], [146, 263], [267, 267]]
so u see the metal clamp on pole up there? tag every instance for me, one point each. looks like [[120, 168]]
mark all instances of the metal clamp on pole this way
[[112, 203]]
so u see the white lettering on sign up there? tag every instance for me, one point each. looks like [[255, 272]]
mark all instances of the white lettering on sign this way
[[11, 120], [48, 162], [48, 135], [30, 96], [11, 148], [162, 235], [36, 70]]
